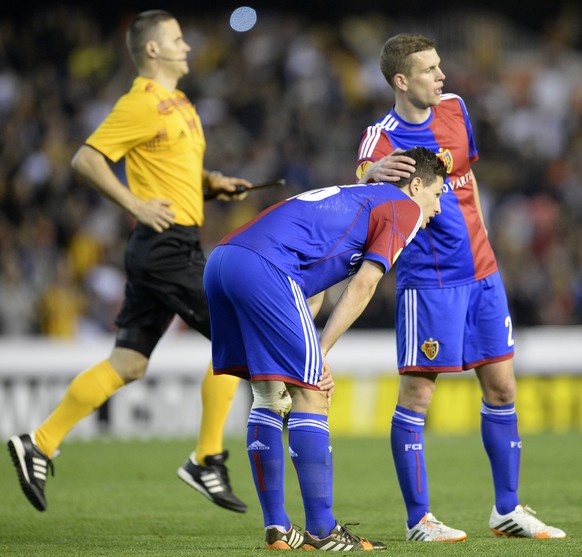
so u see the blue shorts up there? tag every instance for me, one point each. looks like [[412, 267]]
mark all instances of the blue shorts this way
[[260, 323], [453, 329]]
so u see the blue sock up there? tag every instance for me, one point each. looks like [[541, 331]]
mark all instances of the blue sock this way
[[503, 446], [407, 443], [267, 457], [311, 454]]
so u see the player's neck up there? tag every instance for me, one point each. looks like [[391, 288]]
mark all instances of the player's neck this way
[[411, 113]]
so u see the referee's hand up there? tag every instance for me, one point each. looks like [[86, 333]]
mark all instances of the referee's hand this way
[[218, 182], [156, 214]]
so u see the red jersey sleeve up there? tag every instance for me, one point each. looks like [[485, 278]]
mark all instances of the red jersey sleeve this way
[[392, 226], [374, 145]]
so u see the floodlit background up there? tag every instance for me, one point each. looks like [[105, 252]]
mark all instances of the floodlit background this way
[[286, 99]]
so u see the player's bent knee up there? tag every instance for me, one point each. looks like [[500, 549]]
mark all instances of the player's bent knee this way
[[272, 395], [309, 400]]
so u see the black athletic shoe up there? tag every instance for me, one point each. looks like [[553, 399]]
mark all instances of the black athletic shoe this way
[[32, 467], [340, 539], [275, 539], [211, 479]]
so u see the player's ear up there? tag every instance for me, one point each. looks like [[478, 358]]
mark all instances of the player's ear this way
[[400, 82], [416, 186]]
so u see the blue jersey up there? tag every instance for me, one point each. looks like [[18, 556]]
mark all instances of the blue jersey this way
[[453, 249], [321, 237]]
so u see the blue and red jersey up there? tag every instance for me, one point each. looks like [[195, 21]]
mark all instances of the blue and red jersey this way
[[321, 237], [453, 249]]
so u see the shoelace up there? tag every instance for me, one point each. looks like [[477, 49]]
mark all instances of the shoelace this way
[[346, 535], [528, 510], [434, 522], [298, 528], [528, 514]]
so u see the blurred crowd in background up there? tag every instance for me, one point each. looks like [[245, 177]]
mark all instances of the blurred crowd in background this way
[[287, 99]]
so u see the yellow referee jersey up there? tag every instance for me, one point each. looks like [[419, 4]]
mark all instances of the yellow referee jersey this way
[[161, 137]]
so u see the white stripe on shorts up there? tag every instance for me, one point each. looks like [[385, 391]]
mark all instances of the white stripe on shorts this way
[[312, 355], [410, 312]]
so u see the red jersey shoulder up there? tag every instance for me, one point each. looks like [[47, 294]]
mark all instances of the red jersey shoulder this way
[[393, 225], [451, 104], [399, 217], [408, 214]]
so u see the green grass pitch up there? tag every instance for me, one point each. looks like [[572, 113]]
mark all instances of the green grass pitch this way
[[115, 498]]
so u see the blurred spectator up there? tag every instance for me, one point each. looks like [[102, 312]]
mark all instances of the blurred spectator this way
[[61, 303], [17, 298], [267, 99]]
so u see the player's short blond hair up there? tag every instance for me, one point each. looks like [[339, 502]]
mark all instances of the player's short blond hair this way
[[394, 58]]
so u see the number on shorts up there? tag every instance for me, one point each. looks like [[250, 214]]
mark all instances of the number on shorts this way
[[510, 341]]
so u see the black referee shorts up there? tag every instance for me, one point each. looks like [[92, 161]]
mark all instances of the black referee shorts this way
[[164, 278]]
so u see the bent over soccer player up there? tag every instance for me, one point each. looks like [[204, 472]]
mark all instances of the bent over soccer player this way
[[258, 281], [156, 128], [451, 308]]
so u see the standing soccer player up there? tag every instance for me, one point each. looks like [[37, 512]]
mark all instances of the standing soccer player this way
[[156, 128], [451, 308], [258, 281]]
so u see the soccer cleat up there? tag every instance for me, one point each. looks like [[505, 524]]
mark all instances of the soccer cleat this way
[[522, 524], [211, 479], [429, 529], [32, 466], [340, 539], [275, 539]]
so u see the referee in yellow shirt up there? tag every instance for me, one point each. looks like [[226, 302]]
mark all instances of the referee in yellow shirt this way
[[156, 128]]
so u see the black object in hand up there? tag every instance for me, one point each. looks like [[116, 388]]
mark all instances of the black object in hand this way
[[212, 194]]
